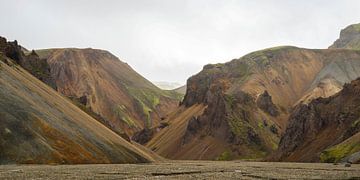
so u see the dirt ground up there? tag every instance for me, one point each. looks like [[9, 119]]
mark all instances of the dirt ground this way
[[184, 170]]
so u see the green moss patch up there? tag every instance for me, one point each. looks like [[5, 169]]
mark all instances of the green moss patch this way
[[336, 153], [225, 156], [120, 112]]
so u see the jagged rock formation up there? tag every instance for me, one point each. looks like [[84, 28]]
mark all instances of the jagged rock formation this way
[[38, 125], [349, 38], [326, 129], [146, 134], [238, 117], [113, 90], [38, 67], [264, 102]]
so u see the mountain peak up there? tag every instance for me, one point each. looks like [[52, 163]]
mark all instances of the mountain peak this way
[[349, 38]]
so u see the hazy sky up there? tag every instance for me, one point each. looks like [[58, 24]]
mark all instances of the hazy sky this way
[[170, 40]]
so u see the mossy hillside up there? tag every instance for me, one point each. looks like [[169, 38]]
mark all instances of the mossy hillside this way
[[348, 147], [336, 153], [121, 113], [241, 121], [146, 101], [356, 27], [225, 156]]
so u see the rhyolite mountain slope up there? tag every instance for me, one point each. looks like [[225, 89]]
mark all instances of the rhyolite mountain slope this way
[[326, 129], [246, 102], [110, 88], [349, 38], [38, 125]]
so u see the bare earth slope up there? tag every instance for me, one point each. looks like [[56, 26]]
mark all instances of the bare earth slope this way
[[40, 126], [248, 101], [109, 87]]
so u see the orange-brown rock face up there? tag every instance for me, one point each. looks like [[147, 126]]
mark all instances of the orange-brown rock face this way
[[248, 100], [127, 101]]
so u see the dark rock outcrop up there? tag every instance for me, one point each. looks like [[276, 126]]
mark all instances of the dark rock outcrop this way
[[143, 136], [32, 62], [192, 128], [146, 134], [323, 123], [264, 102]]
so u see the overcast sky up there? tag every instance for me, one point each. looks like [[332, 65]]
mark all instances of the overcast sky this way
[[170, 40]]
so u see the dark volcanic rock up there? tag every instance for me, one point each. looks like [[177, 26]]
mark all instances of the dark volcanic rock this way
[[32, 62], [143, 136], [264, 102], [192, 128]]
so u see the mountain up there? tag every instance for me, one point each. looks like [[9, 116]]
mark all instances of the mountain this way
[[326, 129], [181, 90], [167, 85], [349, 38], [38, 125], [125, 100], [241, 108]]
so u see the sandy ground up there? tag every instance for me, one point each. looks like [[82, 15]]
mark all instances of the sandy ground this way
[[184, 170]]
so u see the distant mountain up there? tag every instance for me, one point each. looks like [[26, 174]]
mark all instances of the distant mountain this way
[[38, 125], [167, 85], [125, 100], [181, 90], [349, 38], [240, 109]]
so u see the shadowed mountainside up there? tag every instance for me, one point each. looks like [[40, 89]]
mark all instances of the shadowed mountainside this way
[[110, 88], [40, 126]]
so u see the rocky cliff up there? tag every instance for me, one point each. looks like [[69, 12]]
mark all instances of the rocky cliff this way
[[349, 38], [248, 100], [326, 129], [37, 66]]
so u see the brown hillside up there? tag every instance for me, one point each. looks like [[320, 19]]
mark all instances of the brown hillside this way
[[40, 126], [127, 101]]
